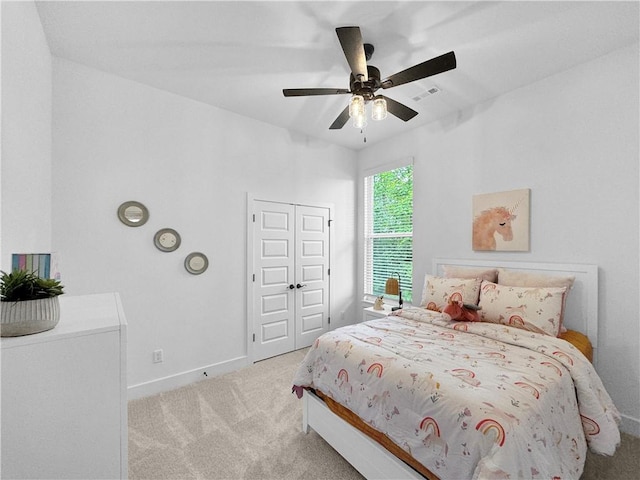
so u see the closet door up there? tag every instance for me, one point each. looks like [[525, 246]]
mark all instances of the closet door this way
[[274, 286], [312, 274], [290, 294]]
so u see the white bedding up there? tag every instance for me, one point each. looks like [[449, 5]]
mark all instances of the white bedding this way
[[468, 400]]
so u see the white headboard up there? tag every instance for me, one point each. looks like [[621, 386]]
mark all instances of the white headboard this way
[[581, 312]]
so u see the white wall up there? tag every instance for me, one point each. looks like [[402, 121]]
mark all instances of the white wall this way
[[573, 140], [25, 214], [191, 165]]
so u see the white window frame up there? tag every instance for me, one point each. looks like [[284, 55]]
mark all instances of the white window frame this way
[[368, 296]]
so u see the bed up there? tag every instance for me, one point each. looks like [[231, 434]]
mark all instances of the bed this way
[[418, 395]]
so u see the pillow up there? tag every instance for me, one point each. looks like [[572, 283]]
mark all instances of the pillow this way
[[438, 291], [580, 341], [453, 271], [536, 309], [525, 279]]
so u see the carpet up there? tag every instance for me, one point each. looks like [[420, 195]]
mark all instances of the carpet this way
[[242, 425], [247, 425]]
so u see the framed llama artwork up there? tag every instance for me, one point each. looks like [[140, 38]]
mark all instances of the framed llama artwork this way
[[501, 221]]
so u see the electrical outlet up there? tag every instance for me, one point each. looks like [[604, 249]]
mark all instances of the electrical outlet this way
[[157, 356]]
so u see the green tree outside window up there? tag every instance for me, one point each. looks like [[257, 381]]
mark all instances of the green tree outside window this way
[[389, 230]]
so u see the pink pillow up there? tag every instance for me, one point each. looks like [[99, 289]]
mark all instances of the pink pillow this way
[[454, 271]]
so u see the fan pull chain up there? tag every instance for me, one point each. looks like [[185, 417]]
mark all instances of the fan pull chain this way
[[365, 137]]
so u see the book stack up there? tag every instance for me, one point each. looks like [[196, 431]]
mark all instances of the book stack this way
[[42, 264]]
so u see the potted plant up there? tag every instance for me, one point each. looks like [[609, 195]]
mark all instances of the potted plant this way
[[29, 304]]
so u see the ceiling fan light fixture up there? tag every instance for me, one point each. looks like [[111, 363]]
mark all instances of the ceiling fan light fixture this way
[[356, 107], [357, 111], [360, 121], [365, 80], [379, 108]]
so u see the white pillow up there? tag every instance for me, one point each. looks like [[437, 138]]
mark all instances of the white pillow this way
[[438, 290], [526, 279], [537, 309]]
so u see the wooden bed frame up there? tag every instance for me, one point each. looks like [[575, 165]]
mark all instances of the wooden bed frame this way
[[374, 461], [367, 456]]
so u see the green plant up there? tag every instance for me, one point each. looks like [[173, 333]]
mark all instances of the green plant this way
[[21, 285]]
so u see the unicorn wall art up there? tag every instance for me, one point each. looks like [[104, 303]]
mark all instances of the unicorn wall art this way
[[501, 221]]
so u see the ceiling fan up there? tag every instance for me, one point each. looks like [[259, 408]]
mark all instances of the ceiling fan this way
[[364, 81]]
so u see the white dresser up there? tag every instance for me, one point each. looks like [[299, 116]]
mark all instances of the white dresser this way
[[64, 395]]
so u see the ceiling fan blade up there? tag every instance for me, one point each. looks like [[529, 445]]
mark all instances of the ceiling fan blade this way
[[426, 69], [351, 41], [342, 119], [303, 92], [399, 110]]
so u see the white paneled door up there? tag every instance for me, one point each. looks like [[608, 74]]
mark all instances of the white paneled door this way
[[312, 274], [291, 277]]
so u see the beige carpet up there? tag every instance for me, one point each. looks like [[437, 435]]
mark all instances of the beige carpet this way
[[246, 425], [243, 425]]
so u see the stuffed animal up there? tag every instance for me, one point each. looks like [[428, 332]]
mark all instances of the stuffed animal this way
[[378, 305], [461, 311]]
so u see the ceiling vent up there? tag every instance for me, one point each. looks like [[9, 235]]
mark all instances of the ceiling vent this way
[[430, 91]]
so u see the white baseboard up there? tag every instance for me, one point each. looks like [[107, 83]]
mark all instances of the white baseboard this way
[[630, 425], [178, 380]]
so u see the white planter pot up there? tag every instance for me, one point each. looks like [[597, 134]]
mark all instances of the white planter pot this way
[[30, 316]]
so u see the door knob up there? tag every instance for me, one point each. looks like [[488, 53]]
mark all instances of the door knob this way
[[300, 286], [291, 287]]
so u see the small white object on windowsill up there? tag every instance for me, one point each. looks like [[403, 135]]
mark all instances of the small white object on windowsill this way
[[378, 305]]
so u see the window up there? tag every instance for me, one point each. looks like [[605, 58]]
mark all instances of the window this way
[[388, 226]]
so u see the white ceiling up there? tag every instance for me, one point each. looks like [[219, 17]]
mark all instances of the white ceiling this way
[[239, 55]]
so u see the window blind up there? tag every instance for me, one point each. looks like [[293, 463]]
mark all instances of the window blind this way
[[388, 225]]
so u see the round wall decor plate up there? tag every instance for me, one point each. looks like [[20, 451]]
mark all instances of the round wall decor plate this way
[[167, 239], [133, 214], [196, 263]]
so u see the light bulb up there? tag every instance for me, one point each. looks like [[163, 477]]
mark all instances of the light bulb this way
[[360, 121], [356, 106], [379, 108]]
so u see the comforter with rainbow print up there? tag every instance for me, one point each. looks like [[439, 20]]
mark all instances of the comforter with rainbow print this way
[[468, 400]]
